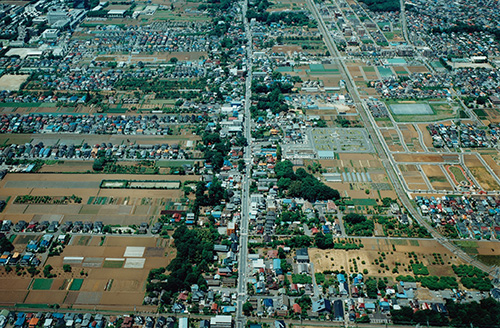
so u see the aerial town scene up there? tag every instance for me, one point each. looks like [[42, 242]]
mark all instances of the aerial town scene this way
[[249, 163]]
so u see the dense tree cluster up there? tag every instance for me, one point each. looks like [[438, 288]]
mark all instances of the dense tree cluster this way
[[472, 277], [382, 5], [5, 245], [194, 254], [358, 225], [215, 149], [302, 184], [473, 314], [270, 98]]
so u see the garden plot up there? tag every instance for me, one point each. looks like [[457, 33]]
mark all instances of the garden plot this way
[[132, 263], [131, 251]]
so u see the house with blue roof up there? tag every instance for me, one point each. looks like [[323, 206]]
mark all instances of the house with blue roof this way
[[340, 278], [228, 309], [268, 303], [277, 266], [21, 319]]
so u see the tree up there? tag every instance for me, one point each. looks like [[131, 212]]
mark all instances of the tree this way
[[247, 308], [99, 164], [46, 271], [371, 288], [305, 302], [323, 241], [67, 268], [5, 245]]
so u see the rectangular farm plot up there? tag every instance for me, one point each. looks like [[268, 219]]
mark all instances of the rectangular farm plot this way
[[76, 284], [134, 251], [413, 177], [92, 262], [132, 263], [480, 173], [125, 184], [437, 177], [89, 298], [113, 263], [73, 260], [12, 296], [42, 284], [44, 297]]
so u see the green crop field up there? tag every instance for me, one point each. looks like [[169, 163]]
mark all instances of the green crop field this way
[[76, 284], [42, 284], [113, 264]]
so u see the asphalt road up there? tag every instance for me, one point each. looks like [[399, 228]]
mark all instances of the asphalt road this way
[[245, 211]]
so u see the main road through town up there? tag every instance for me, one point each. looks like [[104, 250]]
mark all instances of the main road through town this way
[[245, 210], [382, 149]]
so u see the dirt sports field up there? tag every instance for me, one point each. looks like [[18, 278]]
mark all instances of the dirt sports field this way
[[12, 82], [115, 270]]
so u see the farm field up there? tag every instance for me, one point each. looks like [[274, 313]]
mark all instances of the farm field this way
[[78, 139], [392, 140], [413, 177], [339, 259], [112, 206], [410, 137], [91, 282], [437, 177], [409, 158], [480, 173]]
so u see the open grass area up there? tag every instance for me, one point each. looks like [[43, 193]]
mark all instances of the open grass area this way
[[42, 284], [457, 173], [440, 110], [364, 202]]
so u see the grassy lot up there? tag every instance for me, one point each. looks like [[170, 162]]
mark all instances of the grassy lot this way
[[441, 110], [457, 172]]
